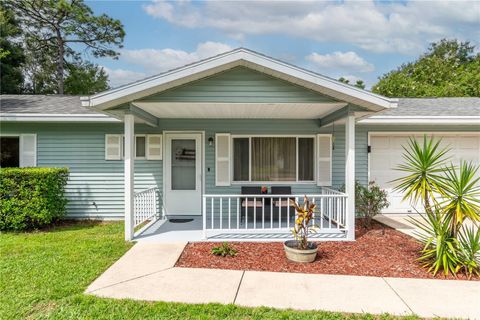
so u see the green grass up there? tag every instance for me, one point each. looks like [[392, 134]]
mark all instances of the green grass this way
[[43, 276]]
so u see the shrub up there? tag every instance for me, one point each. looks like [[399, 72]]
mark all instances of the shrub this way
[[369, 201], [31, 197], [469, 241], [225, 249]]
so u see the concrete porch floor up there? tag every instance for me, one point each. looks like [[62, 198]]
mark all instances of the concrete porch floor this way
[[165, 231]]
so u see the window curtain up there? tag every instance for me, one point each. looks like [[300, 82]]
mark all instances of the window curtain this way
[[273, 159]]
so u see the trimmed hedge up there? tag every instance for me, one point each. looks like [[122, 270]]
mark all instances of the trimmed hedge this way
[[31, 197]]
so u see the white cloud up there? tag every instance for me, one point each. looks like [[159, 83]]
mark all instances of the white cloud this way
[[154, 61], [118, 77], [374, 26], [159, 60], [345, 61]]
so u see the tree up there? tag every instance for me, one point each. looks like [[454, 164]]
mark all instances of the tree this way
[[85, 78], [63, 27], [359, 83], [11, 53], [448, 69]]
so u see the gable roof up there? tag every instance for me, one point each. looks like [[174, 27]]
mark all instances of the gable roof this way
[[231, 59]]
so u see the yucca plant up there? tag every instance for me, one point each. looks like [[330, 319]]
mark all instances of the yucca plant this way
[[469, 240], [461, 194], [440, 247], [424, 167]]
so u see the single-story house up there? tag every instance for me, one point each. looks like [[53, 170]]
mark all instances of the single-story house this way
[[201, 140]]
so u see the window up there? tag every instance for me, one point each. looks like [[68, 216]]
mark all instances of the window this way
[[146, 146], [140, 142], [9, 152], [273, 159]]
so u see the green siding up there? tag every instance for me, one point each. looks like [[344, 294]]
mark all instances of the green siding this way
[[239, 84], [93, 179]]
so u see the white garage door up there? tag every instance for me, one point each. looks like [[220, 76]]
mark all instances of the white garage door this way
[[386, 154]]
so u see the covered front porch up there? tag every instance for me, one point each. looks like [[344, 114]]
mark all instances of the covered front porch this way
[[234, 121]]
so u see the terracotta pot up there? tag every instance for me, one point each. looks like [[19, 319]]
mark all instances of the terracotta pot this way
[[298, 255]]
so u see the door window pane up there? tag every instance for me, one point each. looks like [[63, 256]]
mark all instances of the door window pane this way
[[183, 165], [140, 147], [305, 159], [240, 162], [9, 152], [273, 159]]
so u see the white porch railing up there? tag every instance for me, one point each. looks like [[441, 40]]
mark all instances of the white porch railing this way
[[145, 206], [267, 213]]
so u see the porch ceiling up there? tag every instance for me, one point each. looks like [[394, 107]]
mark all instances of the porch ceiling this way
[[239, 110]]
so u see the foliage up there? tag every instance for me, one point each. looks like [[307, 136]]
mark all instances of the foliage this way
[[304, 222], [44, 275], [440, 247], [461, 192], [57, 30], [423, 166], [469, 241], [11, 53], [448, 245], [448, 69], [225, 249], [369, 201], [31, 197], [85, 78], [359, 83]]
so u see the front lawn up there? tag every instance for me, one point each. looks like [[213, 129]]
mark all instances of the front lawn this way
[[43, 275]]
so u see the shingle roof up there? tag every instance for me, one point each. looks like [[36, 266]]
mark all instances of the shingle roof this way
[[434, 107], [407, 107], [45, 104]]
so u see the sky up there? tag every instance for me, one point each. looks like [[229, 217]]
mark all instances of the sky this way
[[351, 39]]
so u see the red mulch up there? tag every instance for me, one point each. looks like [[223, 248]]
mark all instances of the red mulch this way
[[380, 251]]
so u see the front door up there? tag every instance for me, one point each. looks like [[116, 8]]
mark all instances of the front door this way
[[183, 174]]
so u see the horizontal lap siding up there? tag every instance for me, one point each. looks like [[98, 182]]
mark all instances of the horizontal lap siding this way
[[95, 186], [239, 84]]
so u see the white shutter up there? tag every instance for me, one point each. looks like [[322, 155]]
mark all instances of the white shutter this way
[[113, 146], [154, 147], [324, 160], [28, 150], [222, 159]]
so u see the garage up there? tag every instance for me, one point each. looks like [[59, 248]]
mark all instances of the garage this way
[[386, 153]]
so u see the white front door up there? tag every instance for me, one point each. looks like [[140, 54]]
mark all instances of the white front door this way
[[183, 173]]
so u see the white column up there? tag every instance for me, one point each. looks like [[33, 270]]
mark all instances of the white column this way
[[129, 174], [350, 174]]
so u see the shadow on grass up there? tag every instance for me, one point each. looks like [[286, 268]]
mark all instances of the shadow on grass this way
[[63, 225]]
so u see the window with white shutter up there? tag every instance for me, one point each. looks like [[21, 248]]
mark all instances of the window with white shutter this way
[[324, 160], [113, 146], [28, 150], [222, 159], [154, 147]]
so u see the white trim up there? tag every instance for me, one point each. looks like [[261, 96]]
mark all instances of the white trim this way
[[231, 59], [293, 182], [55, 117], [129, 175], [412, 120]]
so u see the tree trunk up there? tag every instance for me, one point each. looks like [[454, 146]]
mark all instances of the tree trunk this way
[[60, 66]]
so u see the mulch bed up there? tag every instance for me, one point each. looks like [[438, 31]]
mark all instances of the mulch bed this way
[[380, 251]]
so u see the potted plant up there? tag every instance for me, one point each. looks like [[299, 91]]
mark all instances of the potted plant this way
[[300, 249]]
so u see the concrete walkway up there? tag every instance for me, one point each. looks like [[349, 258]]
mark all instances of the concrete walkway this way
[[147, 272]]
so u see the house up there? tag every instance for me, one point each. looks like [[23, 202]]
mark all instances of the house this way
[[198, 142]]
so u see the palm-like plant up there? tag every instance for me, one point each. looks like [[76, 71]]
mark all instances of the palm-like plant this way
[[424, 166], [461, 191], [469, 240], [440, 246], [303, 222]]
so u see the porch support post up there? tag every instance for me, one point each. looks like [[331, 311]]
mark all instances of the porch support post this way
[[129, 175], [350, 174]]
